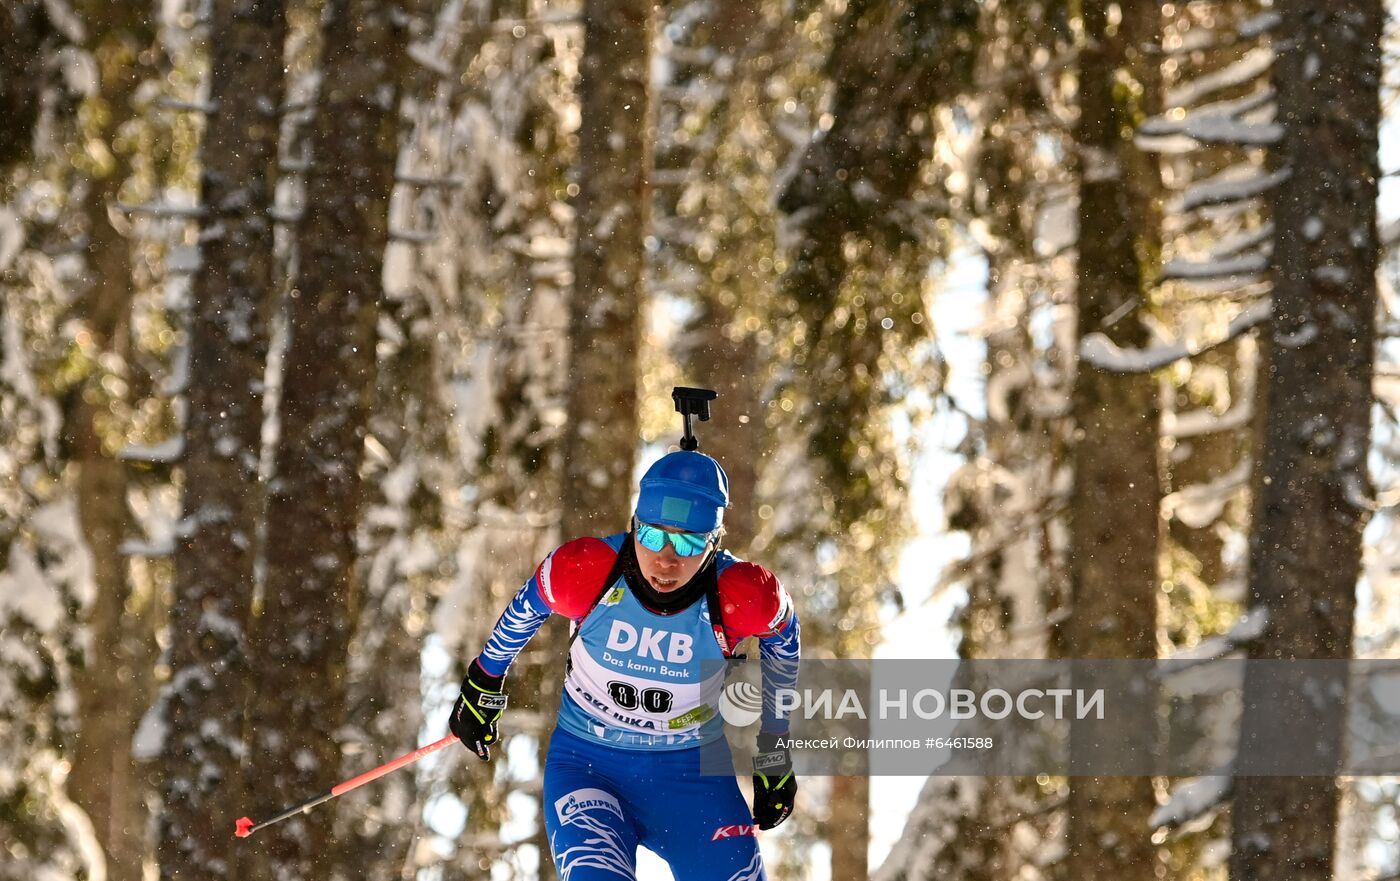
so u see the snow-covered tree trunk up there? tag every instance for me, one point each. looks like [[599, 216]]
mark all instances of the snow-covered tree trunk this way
[[605, 313], [607, 303], [711, 251], [1006, 497], [737, 88], [493, 280], [728, 360], [302, 633], [1208, 414], [1215, 259], [851, 217], [1311, 489], [376, 826], [45, 581], [1114, 503], [411, 542], [203, 703], [111, 692]]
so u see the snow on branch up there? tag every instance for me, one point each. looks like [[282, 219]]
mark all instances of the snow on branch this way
[[1386, 385], [1222, 189], [1195, 423], [1360, 497], [413, 236], [671, 177], [1246, 630], [1099, 351], [164, 453], [1167, 145], [183, 259], [1199, 39], [1177, 121], [162, 210], [135, 547], [285, 216], [1256, 62], [1225, 130], [1191, 798], [706, 92], [930, 827], [429, 182], [424, 57], [11, 237], [206, 108], [1245, 254], [547, 20], [1202, 39], [1238, 243], [178, 381], [1232, 267], [151, 731], [1259, 25], [1199, 505], [1390, 234], [192, 24]]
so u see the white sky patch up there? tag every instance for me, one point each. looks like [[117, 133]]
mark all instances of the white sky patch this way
[[1389, 202]]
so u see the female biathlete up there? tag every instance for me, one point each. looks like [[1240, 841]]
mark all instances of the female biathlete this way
[[649, 607]]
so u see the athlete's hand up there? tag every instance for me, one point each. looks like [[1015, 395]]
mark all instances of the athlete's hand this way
[[477, 710], [774, 785]]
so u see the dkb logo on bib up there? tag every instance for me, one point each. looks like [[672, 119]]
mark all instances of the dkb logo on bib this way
[[647, 643]]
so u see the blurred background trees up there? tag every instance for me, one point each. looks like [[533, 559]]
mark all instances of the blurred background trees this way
[[323, 320]]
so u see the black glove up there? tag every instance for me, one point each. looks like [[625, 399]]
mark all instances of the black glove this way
[[774, 786], [478, 708]]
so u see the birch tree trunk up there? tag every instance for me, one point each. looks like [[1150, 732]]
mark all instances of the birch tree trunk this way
[[214, 556], [1311, 485]]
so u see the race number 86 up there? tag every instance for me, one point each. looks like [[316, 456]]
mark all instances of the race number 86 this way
[[652, 700]]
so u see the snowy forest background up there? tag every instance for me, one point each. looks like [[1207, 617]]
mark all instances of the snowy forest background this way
[[323, 320]]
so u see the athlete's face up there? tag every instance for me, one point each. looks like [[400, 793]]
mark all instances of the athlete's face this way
[[665, 570]]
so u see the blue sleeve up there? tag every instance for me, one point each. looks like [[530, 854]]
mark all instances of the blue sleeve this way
[[779, 653], [525, 615]]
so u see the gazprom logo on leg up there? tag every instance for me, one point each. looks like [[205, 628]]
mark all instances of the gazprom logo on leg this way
[[573, 806]]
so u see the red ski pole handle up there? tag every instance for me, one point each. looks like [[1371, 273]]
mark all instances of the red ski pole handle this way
[[245, 826]]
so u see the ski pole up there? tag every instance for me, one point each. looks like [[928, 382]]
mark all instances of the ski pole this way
[[245, 826]]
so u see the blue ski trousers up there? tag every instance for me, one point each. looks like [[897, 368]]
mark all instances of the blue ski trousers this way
[[601, 802]]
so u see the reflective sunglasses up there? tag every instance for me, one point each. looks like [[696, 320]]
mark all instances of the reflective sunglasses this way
[[687, 544]]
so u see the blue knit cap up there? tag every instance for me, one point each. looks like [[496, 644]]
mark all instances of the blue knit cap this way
[[685, 490]]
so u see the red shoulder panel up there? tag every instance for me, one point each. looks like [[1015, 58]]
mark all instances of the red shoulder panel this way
[[752, 601], [571, 577]]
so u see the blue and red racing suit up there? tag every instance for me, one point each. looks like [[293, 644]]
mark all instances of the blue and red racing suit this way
[[640, 701]]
